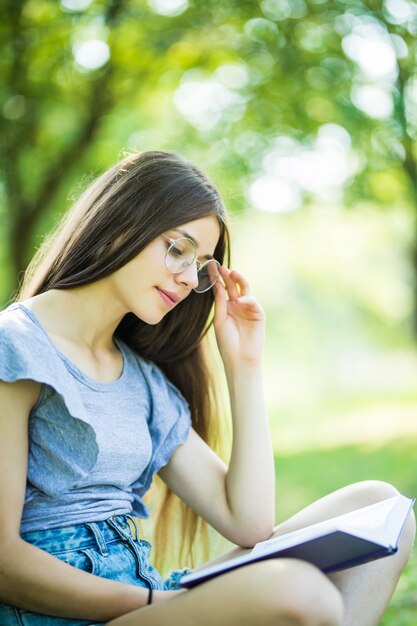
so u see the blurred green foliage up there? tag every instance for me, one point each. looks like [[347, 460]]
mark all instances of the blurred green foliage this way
[[220, 81]]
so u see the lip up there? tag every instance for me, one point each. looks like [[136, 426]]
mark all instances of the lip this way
[[169, 297]]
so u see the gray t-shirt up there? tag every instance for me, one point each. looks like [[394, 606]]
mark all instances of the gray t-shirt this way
[[93, 447]]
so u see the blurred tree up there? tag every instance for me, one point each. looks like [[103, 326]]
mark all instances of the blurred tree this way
[[249, 89], [49, 118]]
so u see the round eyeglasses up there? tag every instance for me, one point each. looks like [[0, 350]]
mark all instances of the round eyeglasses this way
[[182, 253]]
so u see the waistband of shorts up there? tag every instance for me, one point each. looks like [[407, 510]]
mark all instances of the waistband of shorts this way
[[86, 535]]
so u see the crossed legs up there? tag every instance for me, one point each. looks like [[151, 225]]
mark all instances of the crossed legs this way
[[281, 592]]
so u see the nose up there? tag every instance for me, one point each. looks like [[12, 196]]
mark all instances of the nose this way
[[188, 276]]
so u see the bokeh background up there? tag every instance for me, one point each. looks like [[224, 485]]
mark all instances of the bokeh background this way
[[304, 114]]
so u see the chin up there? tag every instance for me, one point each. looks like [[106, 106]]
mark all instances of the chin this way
[[152, 320]]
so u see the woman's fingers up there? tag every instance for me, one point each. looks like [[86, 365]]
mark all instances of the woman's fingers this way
[[247, 307], [230, 285], [220, 296], [242, 282], [235, 283]]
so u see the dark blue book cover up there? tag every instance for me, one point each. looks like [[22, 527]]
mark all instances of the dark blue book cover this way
[[351, 539]]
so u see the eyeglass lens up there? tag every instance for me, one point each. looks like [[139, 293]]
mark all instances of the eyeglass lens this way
[[181, 254], [208, 274]]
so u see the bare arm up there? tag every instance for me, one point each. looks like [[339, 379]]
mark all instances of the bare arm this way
[[237, 500], [30, 578]]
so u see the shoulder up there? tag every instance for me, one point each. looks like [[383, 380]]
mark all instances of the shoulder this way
[[18, 328], [14, 327], [22, 344], [14, 320]]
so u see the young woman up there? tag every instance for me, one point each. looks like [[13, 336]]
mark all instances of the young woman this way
[[104, 384]]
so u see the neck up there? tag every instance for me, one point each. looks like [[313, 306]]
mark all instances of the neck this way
[[87, 315]]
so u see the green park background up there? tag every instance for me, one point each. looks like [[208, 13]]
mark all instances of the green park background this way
[[304, 114]]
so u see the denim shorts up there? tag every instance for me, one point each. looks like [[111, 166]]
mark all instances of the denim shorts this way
[[111, 549]]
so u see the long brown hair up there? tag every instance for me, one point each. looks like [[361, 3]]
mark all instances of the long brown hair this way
[[127, 207]]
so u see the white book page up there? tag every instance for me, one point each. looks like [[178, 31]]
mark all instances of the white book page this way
[[385, 522], [380, 523]]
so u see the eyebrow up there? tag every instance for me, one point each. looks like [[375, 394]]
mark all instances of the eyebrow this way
[[195, 242]]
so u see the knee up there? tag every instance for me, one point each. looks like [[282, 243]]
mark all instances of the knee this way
[[371, 491], [297, 593]]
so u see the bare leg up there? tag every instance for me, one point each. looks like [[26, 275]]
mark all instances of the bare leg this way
[[282, 592], [376, 580]]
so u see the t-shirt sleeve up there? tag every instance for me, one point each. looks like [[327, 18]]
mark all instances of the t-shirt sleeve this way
[[63, 446], [169, 423]]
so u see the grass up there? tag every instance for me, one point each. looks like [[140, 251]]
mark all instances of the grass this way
[[308, 475]]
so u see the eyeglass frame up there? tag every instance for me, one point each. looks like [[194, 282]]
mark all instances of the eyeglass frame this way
[[199, 264]]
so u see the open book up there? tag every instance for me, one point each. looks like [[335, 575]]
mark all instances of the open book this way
[[338, 543]]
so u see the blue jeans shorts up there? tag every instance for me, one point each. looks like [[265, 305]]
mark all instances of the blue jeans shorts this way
[[111, 549]]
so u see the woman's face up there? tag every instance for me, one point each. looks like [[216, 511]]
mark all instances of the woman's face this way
[[147, 288]]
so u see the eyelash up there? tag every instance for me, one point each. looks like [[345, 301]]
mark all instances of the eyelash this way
[[181, 252], [176, 251]]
